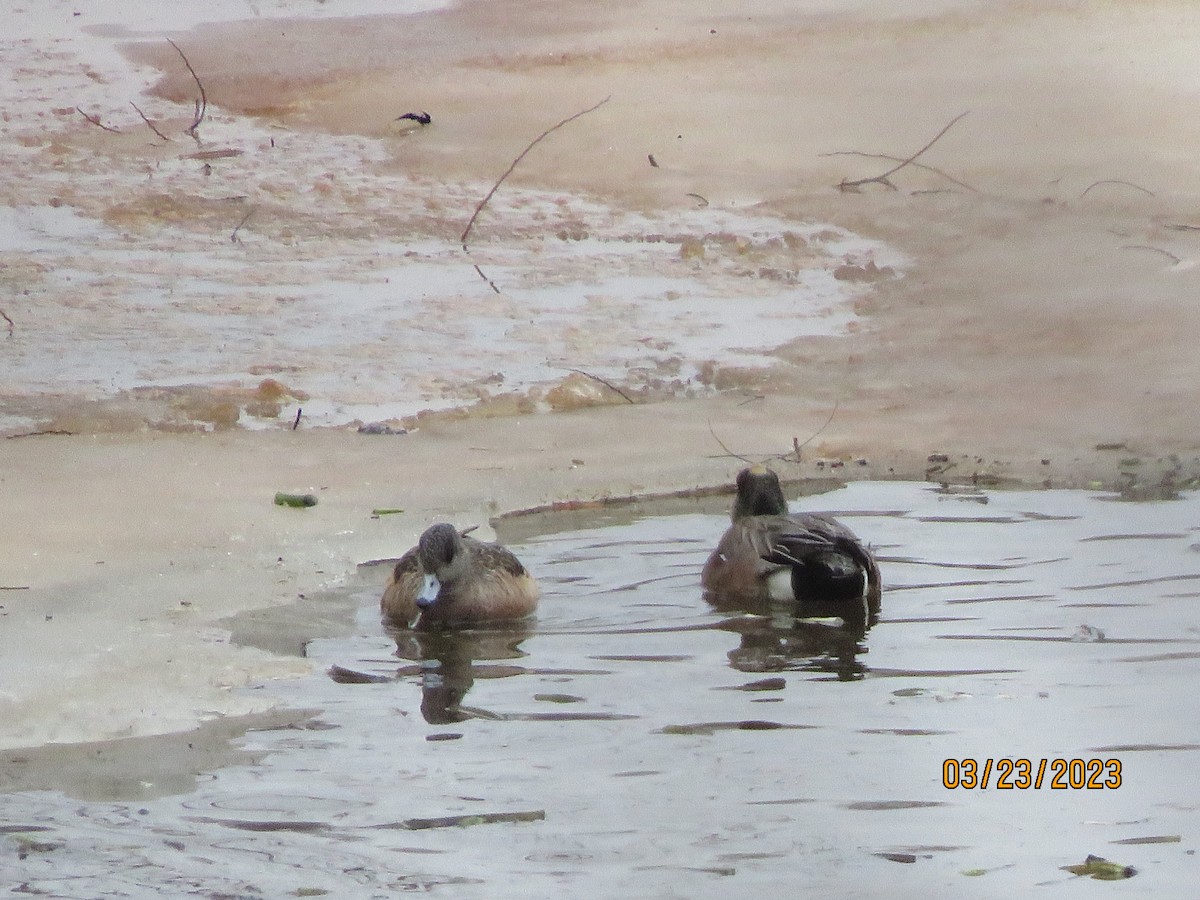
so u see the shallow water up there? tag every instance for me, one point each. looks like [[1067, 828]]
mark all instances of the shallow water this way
[[634, 742]]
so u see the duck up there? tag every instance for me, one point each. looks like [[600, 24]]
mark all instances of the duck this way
[[768, 555], [451, 580]]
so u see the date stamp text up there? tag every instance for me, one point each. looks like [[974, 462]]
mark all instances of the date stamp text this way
[[1026, 774]]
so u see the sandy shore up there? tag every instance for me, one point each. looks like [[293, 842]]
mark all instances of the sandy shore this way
[[1045, 331]]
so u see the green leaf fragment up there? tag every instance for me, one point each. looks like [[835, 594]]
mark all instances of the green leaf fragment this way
[[298, 501], [1101, 869]]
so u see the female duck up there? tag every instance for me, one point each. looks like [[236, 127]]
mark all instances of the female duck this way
[[451, 580], [769, 555]]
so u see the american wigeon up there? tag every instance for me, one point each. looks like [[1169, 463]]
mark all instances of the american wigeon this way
[[449, 579], [770, 555]]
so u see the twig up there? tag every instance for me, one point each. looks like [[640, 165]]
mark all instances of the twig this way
[[224, 153], [149, 124], [607, 384], [796, 448], [95, 120], [516, 162], [702, 200], [421, 118], [533, 815], [485, 278], [915, 165], [884, 178], [1136, 187], [246, 218], [202, 103], [1171, 256], [797, 445], [11, 323], [1181, 226], [296, 424], [721, 444]]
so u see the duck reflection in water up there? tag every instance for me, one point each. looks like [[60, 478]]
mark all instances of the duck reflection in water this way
[[783, 643], [816, 585], [447, 665]]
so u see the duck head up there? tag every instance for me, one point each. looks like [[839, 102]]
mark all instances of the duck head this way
[[441, 554], [758, 494]]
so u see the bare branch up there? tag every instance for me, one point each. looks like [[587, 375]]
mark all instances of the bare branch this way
[[797, 444], [224, 153], [202, 103], [884, 178], [1171, 256], [45, 431], [537, 140], [95, 120], [491, 283], [1136, 187], [721, 444], [798, 447], [607, 384], [233, 238], [149, 124], [915, 165]]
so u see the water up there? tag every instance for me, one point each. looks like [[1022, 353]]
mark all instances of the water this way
[[634, 742]]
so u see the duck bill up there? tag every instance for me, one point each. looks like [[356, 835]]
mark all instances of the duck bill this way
[[429, 592]]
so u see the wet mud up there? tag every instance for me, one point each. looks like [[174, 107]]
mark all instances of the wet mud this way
[[261, 270]]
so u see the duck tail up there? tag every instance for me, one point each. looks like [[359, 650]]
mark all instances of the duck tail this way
[[865, 558]]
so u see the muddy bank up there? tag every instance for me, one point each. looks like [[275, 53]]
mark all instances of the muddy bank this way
[[140, 769], [1040, 255]]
